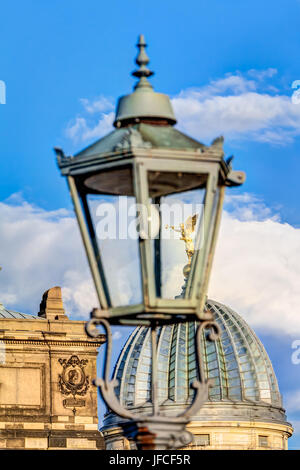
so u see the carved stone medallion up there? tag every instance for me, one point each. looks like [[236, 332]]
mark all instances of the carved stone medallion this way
[[73, 379]]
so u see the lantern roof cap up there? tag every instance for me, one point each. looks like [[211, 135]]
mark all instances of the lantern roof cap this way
[[144, 103]]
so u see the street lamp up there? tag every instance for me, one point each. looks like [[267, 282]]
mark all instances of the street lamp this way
[[149, 169]]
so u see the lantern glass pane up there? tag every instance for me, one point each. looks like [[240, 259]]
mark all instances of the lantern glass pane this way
[[178, 200], [115, 228], [165, 183]]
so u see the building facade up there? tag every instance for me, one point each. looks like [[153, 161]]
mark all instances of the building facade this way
[[47, 364], [244, 408]]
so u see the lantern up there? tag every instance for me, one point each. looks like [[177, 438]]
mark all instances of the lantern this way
[[155, 175], [148, 201]]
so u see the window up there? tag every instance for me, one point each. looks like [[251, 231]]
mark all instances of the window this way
[[202, 440], [263, 441]]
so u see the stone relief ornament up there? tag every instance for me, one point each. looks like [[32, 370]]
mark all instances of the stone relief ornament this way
[[73, 379]]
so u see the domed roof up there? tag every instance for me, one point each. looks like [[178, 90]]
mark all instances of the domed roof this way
[[11, 314], [237, 365]]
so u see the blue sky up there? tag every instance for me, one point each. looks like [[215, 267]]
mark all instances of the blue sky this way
[[228, 67]]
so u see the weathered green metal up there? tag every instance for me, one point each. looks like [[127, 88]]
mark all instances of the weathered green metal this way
[[143, 103], [137, 136], [208, 160], [95, 266]]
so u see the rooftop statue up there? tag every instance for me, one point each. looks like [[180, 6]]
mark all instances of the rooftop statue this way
[[186, 229]]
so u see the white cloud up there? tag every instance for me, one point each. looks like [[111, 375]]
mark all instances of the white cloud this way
[[292, 401], [42, 249], [101, 104], [262, 74], [238, 106], [84, 128], [117, 335], [296, 426], [79, 130], [249, 207], [256, 269]]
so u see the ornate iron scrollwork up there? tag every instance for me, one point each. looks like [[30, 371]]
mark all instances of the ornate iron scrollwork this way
[[155, 430]]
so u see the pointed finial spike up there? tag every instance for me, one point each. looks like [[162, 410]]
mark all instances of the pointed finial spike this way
[[142, 60], [142, 41]]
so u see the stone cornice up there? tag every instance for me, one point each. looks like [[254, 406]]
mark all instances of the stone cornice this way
[[51, 342]]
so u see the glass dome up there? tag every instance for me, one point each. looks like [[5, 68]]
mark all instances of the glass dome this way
[[237, 364], [11, 314]]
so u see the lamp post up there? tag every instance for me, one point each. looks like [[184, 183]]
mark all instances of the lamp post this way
[[150, 165]]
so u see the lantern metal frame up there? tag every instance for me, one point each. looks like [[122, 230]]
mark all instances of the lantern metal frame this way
[[155, 430], [183, 155], [207, 161]]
